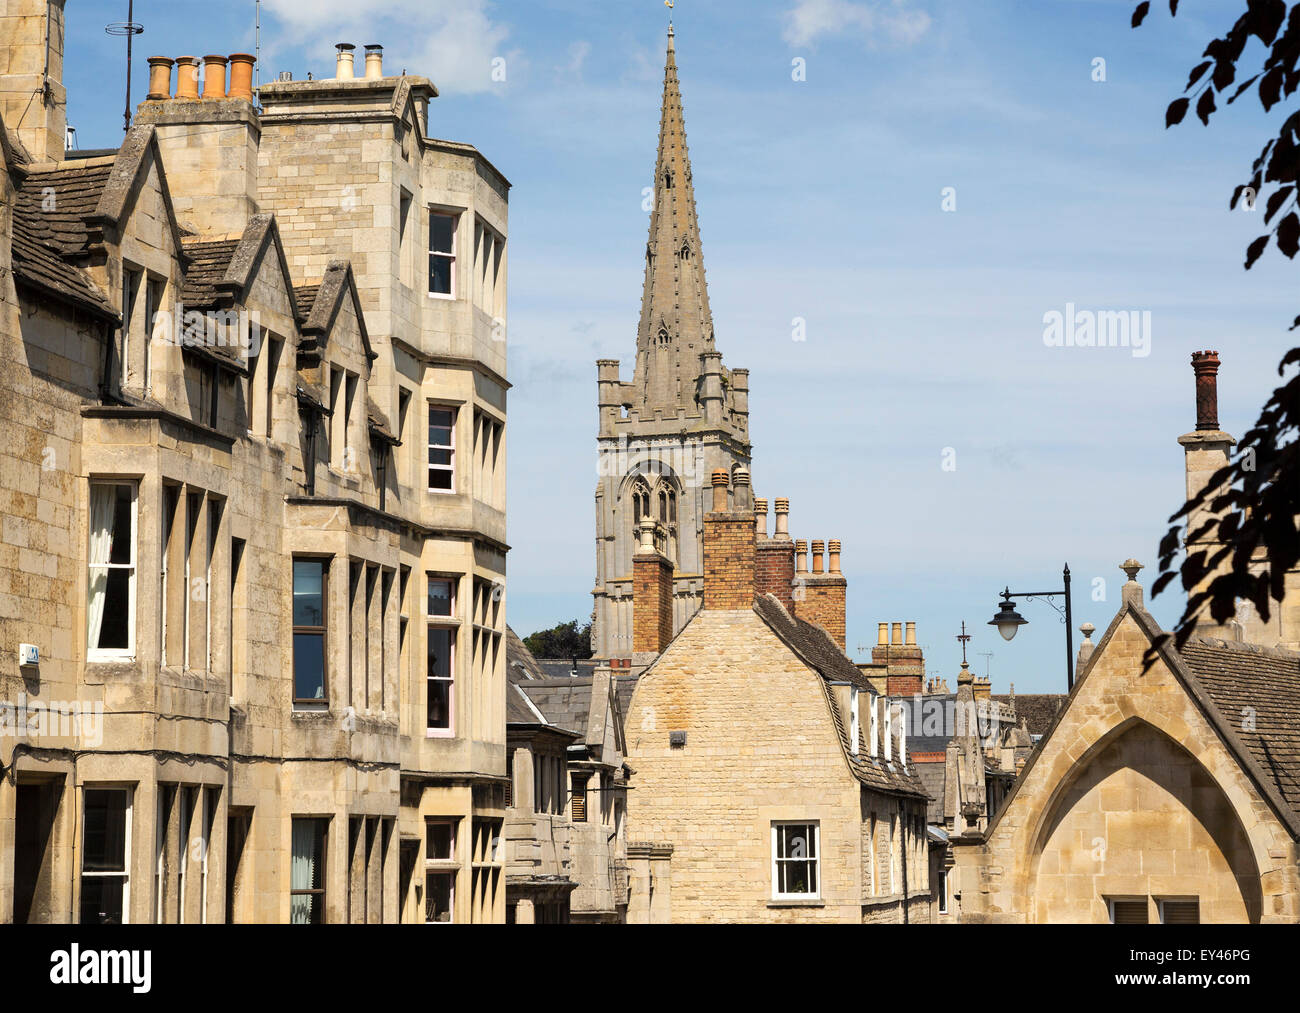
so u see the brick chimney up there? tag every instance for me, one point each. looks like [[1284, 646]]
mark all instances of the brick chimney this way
[[32, 97], [728, 552], [821, 595], [1206, 449], [774, 558], [903, 660], [652, 594]]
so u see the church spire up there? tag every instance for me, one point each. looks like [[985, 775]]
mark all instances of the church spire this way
[[676, 323]]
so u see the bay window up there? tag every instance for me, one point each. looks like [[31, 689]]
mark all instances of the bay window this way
[[111, 585]]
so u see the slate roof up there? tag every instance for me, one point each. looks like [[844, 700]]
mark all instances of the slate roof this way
[[55, 204], [814, 647], [47, 231], [1248, 681], [208, 266], [1039, 709], [520, 662], [567, 701], [934, 778]]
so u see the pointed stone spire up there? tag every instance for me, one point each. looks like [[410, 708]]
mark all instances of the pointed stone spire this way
[[676, 322]]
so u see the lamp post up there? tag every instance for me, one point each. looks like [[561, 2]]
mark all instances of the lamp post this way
[[1008, 620]]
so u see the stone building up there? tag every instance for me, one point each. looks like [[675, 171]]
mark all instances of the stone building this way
[[270, 621], [1167, 788], [565, 832], [682, 415], [770, 781]]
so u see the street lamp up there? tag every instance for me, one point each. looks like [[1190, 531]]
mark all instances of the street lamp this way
[[1008, 620]]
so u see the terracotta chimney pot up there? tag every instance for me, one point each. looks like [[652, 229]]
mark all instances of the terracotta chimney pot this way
[[214, 76], [801, 556], [760, 518], [160, 78], [241, 75], [187, 77], [818, 551], [882, 635], [1206, 367], [896, 635], [833, 548], [911, 634]]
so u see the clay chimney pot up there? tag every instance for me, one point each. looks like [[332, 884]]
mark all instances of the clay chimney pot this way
[[187, 77], [241, 75], [374, 62], [834, 550], [719, 491], [160, 78], [214, 76], [896, 635], [818, 550], [346, 70]]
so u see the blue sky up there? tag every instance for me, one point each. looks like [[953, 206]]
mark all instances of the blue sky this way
[[822, 199]]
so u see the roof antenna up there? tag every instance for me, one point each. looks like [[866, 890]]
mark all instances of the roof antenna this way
[[257, 50], [130, 28]]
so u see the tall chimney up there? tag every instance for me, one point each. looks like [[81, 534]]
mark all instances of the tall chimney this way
[[1206, 450], [774, 558], [824, 597], [904, 661], [652, 595], [346, 59], [33, 100], [728, 552], [374, 62]]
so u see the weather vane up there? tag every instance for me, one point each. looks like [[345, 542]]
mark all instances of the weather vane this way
[[130, 28], [964, 639]]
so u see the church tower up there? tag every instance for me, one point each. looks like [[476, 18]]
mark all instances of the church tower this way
[[682, 415]]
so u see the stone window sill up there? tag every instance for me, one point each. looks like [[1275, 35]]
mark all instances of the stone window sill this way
[[811, 902]]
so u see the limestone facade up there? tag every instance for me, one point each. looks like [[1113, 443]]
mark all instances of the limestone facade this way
[[253, 499]]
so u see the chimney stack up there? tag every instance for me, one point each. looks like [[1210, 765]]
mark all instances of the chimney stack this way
[[1206, 450], [823, 598], [728, 552], [652, 595], [774, 557], [904, 662], [374, 62], [346, 70], [33, 100]]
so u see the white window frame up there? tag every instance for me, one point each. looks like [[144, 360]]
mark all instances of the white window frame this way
[[943, 891], [434, 406], [889, 730], [125, 875], [452, 625], [452, 257], [816, 859], [854, 721], [873, 716], [94, 654]]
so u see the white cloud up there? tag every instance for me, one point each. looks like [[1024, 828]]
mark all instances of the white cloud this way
[[452, 42], [876, 21]]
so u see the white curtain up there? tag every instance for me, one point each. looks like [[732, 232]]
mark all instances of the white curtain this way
[[302, 872], [103, 501]]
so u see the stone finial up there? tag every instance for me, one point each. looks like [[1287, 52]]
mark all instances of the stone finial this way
[[1131, 592], [1087, 647], [1087, 629], [965, 677]]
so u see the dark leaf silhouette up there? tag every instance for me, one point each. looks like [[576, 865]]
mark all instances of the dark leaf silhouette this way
[[1140, 14], [1177, 110], [1197, 73], [1288, 235], [1255, 250], [1276, 200], [1205, 106]]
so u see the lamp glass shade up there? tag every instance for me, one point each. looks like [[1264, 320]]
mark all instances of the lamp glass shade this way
[[1008, 620]]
